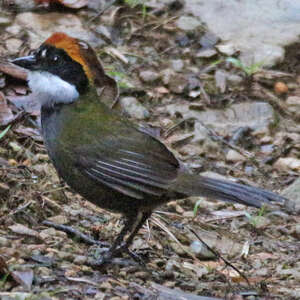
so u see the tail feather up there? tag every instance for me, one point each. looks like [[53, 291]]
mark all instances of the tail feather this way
[[195, 185]]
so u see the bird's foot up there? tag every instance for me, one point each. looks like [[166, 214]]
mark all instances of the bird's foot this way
[[111, 256]]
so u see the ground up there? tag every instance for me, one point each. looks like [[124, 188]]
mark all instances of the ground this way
[[217, 115]]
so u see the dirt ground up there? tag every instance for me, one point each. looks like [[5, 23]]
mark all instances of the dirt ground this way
[[175, 80]]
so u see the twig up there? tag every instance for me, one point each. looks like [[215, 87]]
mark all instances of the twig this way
[[75, 233], [219, 256], [111, 3]]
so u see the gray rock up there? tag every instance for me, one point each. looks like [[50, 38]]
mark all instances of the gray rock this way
[[256, 115], [250, 31], [149, 76], [134, 108], [4, 20], [210, 52], [167, 75], [188, 23], [177, 64], [292, 193], [201, 250], [4, 242], [293, 105]]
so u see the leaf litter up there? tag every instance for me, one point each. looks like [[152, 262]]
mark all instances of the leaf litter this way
[[45, 262]]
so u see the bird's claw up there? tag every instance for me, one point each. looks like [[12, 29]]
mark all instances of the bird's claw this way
[[111, 257]]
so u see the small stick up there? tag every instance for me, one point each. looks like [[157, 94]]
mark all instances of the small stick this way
[[75, 233], [219, 256]]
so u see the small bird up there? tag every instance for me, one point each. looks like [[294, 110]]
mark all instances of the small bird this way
[[103, 156]]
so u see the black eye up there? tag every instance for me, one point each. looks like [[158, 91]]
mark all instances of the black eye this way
[[55, 58]]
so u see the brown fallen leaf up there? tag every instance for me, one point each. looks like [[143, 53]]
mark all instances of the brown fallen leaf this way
[[23, 230], [13, 70], [6, 115]]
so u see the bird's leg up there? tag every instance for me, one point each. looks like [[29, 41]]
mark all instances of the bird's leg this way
[[141, 219], [132, 226]]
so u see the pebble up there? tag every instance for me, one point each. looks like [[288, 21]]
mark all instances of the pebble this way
[[280, 88], [287, 163], [167, 75], [177, 65], [4, 242], [297, 231], [188, 23], [209, 52], [59, 219], [293, 103], [234, 156], [149, 76], [80, 259], [201, 250], [13, 45], [134, 108], [227, 48]]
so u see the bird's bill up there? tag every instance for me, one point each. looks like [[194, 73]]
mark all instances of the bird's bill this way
[[27, 62]]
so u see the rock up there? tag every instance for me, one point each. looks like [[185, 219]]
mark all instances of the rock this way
[[80, 259], [280, 88], [149, 76], [234, 156], [13, 45], [209, 52], [167, 75], [256, 115], [208, 40], [59, 219], [4, 242], [134, 108], [188, 23], [286, 164], [293, 105], [4, 20], [40, 26], [201, 250], [227, 49], [297, 231], [177, 65], [256, 42], [292, 192]]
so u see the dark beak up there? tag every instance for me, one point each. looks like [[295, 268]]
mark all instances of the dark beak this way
[[28, 62]]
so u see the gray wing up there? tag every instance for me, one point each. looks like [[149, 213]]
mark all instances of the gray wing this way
[[136, 166]]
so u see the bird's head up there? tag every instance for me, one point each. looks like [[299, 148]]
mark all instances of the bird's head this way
[[61, 69]]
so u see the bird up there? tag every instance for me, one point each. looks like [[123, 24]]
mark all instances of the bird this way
[[104, 156]]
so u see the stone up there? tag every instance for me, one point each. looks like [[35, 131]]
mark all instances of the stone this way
[[59, 219], [177, 64], [256, 115], [188, 23], [201, 250], [250, 31], [4, 242], [234, 156], [13, 45], [286, 164], [149, 76], [292, 192], [205, 53], [293, 105], [134, 108]]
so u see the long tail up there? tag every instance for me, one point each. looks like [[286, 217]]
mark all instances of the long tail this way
[[196, 185]]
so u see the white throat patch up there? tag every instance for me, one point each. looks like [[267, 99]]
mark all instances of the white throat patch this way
[[51, 89]]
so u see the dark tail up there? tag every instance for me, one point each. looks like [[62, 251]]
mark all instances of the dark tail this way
[[196, 185]]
